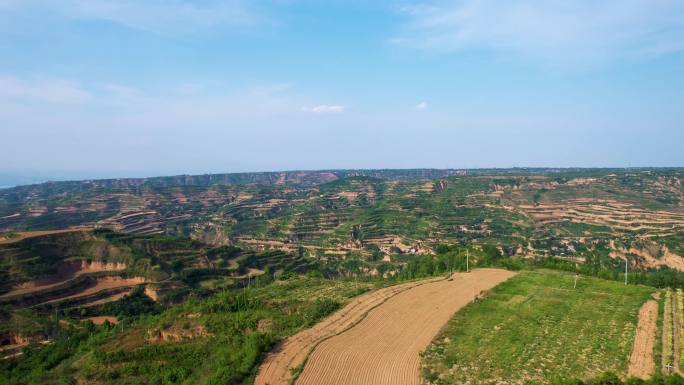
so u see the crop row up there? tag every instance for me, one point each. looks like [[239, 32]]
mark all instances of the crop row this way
[[668, 336]]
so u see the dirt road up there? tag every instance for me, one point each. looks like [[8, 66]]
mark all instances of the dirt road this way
[[641, 361], [383, 346]]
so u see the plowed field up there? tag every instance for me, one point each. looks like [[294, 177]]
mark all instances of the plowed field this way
[[384, 347]]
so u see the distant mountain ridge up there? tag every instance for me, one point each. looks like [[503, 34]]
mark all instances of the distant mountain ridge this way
[[298, 177], [294, 177]]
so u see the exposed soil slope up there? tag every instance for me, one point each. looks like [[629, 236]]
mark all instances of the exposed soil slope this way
[[641, 362], [105, 283]]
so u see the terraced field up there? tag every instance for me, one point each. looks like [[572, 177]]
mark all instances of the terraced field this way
[[79, 274], [333, 215]]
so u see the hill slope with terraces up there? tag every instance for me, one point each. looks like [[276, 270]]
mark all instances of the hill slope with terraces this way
[[378, 214], [117, 279]]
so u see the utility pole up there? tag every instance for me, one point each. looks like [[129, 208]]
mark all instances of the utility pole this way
[[467, 261], [626, 259]]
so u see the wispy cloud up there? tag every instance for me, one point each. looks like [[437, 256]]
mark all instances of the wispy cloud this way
[[42, 90], [167, 17], [39, 102], [556, 32], [325, 109], [421, 106]]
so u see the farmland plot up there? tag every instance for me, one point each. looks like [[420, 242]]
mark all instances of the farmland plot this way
[[641, 363], [537, 327], [279, 365], [383, 349]]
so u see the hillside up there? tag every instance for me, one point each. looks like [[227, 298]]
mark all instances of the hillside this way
[[526, 328], [374, 214], [217, 340], [98, 275]]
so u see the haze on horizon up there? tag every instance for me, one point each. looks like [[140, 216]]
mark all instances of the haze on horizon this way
[[105, 88]]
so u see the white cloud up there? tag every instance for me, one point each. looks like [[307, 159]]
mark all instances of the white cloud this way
[[46, 103], [167, 17], [325, 109], [549, 31], [421, 106]]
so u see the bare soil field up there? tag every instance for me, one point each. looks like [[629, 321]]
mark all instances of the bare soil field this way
[[66, 272], [383, 347], [105, 283], [641, 362], [101, 320], [292, 353], [30, 234], [111, 298]]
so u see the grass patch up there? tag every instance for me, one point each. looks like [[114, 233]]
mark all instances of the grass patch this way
[[537, 328]]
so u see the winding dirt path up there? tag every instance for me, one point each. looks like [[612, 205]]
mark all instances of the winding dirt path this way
[[641, 361], [377, 338]]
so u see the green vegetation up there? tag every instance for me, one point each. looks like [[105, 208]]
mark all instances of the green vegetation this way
[[218, 340], [238, 261], [537, 327], [185, 261], [668, 331], [612, 379], [533, 211]]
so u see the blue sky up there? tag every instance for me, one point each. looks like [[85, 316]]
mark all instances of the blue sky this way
[[102, 88]]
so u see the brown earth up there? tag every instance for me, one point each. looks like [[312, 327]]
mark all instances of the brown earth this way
[[653, 255], [292, 352], [68, 270], [384, 348], [105, 283], [101, 320], [111, 298], [176, 334], [641, 361], [30, 234], [377, 338]]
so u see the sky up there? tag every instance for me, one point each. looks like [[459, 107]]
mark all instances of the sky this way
[[116, 88]]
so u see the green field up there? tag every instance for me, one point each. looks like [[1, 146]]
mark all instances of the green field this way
[[537, 328]]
